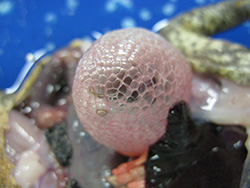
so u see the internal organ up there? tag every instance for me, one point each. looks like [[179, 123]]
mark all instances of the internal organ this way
[[27, 147], [124, 86], [220, 100]]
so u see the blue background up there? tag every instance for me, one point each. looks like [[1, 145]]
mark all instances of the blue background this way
[[29, 25]]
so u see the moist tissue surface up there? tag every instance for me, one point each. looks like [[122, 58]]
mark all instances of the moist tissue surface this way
[[124, 86]]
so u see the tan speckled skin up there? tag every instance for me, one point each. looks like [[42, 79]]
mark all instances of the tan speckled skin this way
[[124, 86]]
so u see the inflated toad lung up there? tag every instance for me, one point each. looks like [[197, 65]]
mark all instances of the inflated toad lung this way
[[124, 86], [87, 153]]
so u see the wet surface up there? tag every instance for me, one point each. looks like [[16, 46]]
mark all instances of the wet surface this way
[[91, 161], [212, 157], [85, 161]]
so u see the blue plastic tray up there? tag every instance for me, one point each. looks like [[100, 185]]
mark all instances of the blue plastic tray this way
[[27, 26]]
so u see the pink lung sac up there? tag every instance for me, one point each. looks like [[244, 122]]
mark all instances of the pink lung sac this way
[[124, 86]]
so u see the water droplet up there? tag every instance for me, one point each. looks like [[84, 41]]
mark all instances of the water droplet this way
[[75, 125], [215, 149], [50, 17], [145, 14], [82, 134], [156, 169], [112, 5], [5, 7], [50, 46], [238, 144], [50, 88], [154, 157], [128, 22], [168, 9], [30, 57], [71, 6]]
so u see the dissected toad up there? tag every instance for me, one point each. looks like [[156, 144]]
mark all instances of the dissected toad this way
[[114, 98]]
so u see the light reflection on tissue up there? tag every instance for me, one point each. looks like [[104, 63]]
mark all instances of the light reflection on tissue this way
[[31, 59]]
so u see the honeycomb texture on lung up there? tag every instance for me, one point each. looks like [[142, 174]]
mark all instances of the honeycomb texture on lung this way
[[124, 86]]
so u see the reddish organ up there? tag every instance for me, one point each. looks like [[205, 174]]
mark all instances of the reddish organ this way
[[124, 86]]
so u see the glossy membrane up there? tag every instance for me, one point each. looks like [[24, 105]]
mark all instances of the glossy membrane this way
[[203, 155]]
